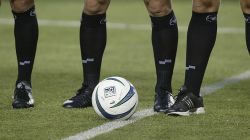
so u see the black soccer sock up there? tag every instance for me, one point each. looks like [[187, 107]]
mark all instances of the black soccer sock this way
[[247, 26], [200, 42], [26, 36], [93, 36], [164, 40]]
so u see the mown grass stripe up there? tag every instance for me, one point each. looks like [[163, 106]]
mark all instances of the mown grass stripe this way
[[118, 26]]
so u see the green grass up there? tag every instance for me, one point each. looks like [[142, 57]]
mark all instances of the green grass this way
[[58, 73], [227, 117]]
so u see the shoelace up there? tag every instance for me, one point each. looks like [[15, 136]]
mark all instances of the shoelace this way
[[22, 93], [181, 98], [179, 95]]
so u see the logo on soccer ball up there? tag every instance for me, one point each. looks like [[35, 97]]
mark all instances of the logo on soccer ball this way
[[109, 91]]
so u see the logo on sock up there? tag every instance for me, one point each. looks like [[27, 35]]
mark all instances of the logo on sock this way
[[173, 21], [32, 13], [103, 21], [247, 19], [15, 17], [24, 63], [88, 60], [211, 18], [190, 67], [165, 61]]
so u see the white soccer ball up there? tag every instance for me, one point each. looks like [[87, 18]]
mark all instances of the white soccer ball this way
[[115, 98]]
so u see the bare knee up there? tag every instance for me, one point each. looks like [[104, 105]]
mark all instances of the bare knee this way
[[93, 7], [245, 6], [204, 6], [158, 8], [21, 5]]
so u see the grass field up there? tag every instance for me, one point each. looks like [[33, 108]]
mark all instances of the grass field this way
[[58, 73]]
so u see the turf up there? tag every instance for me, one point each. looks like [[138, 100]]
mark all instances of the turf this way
[[58, 73], [227, 117]]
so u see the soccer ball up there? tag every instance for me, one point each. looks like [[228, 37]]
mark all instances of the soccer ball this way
[[115, 98]]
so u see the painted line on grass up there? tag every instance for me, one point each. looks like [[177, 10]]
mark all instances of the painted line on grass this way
[[229, 81], [118, 26], [110, 126]]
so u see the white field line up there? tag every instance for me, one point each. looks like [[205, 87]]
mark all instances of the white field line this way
[[110, 126], [229, 81], [118, 26]]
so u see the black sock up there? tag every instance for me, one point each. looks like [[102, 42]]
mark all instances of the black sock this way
[[247, 17], [200, 42], [93, 36], [164, 40], [26, 36]]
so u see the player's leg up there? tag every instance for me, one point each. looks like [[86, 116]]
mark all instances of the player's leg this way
[[245, 6], [164, 41], [92, 43], [200, 42], [26, 36]]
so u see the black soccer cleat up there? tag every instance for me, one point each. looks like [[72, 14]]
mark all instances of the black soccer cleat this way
[[186, 104], [23, 96], [82, 99], [163, 100]]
